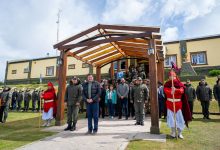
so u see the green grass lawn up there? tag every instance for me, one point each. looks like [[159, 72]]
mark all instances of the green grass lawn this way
[[22, 128], [202, 134]]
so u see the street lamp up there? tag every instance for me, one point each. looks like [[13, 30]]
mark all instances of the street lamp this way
[[150, 51], [59, 61]]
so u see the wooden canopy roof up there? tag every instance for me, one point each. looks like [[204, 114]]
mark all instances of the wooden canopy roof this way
[[102, 44]]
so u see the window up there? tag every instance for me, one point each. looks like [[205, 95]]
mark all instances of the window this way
[[115, 64], [72, 66], [198, 58], [26, 70], [169, 59], [50, 71], [13, 71], [122, 65], [85, 65]]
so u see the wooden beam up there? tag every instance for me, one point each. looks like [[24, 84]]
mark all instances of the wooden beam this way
[[112, 74], [154, 129], [96, 50], [79, 58], [61, 89], [83, 49], [98, 74], [131, 28], [132, 44], [109, 59], [133, 48], [160, 72], [142, 41], [105, 56], [100, 53], [76, 36], [97, 42]]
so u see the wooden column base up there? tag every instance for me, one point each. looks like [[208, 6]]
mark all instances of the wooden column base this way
[[154, 130], [59, 122]]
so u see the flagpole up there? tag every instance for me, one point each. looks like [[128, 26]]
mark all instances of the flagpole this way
[[174, 107]]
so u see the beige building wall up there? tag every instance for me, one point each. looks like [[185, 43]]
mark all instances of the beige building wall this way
[[78, 67], [39, 67], [212, 48], [19, 67], [174, 49]]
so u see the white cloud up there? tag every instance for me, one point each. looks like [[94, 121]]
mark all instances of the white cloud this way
[[171, 34], [125, 10], [187, 9]]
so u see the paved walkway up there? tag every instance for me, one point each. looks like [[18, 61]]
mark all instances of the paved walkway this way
[[112, 135]]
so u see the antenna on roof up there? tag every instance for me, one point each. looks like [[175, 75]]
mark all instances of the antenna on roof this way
[[58, 25]]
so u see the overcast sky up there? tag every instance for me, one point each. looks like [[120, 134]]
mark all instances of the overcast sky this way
[[28, 27]]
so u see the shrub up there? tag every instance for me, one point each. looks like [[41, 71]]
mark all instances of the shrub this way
[[214, 72]]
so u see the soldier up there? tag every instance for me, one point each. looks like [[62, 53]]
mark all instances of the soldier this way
[[27, 98], [35, 99], [73, 96], [140, 96], [14, 99], [191, 95], [141, 73], [20, 99], [5, 102]]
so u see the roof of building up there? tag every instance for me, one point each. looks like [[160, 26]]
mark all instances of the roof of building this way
[[34, 59], [195, 39]]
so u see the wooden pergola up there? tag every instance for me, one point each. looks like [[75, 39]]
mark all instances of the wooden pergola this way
[[104, 44]]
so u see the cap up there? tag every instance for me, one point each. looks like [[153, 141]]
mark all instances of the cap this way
[[139, 78]]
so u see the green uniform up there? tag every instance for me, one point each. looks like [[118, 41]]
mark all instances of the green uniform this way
[[139, 96], [73, 95]]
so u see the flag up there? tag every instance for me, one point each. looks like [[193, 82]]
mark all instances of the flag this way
[[174, 66]]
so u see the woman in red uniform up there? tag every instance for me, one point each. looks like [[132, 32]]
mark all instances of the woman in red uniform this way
[[181, 105], [49, 97]]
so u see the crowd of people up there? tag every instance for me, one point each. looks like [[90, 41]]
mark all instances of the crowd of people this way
[[115, 98]]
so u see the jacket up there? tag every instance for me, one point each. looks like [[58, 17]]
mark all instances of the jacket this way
[[122, 90], [216, 92], [204, 92], [6, 97], [27, 96], [73, 94], [140, 93], [95, 91], [190, 92], [113, 97]]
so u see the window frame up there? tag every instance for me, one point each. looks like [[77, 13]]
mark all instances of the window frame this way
[[170, 55], [14, 71], [198, 52], [47, 71], [70, 66], [85, 65]]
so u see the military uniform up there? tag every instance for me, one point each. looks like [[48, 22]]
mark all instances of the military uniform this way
[[139, 96], [73, 96], [27, 98], [35, 99], [20, 100], [5, 102]]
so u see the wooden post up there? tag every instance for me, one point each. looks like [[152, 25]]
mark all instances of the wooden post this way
[[154, 129], [126, 65], [118, 66], [98, 73], [112, 71], [160, 72], [61, 89]]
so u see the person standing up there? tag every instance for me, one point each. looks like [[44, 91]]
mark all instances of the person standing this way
[[27, 98], [176, 97], [204, 95], [122, 91], [73, 96], [216, 92], [191, 95], [20, 99], [161, 99], [91, 94], [5, 102], [35, 99], [131, 111], [104, 87], [14, 99], [49, 109], [140, 97], [111, 100]]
